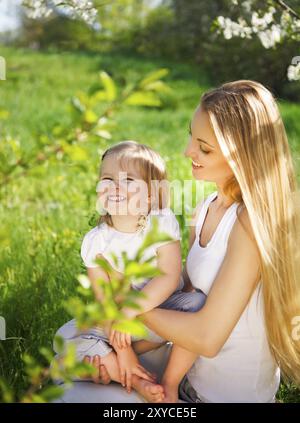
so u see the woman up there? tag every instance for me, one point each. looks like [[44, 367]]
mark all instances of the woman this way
[[244, 253]]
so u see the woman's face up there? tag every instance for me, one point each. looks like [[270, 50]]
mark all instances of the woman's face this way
[[121, 192], [208, 161]]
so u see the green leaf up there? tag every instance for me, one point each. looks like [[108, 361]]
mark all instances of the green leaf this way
[[77, 105], [143, 98], [154, 76], [109, 86], [51, 393], [35, 398], [58, 344], [134, 327], [103, 133], [158, 86], [76, 153], [90, 116], [45, 352], [145, 270], [84, 281], [100, 95]]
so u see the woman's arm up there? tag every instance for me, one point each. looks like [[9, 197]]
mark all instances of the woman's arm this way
[[206, 331]]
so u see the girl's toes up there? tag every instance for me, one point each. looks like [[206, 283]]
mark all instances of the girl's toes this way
[[157, 398]]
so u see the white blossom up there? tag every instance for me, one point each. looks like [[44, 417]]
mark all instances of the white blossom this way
[[293, 72], [271, 27], [270, 37], [75, 9], [233, 29], [263, 21]]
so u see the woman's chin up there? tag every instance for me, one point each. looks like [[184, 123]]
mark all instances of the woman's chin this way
[[198, 173]]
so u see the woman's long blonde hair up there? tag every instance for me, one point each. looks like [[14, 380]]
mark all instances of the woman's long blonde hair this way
[[148, 164], [248, 126]]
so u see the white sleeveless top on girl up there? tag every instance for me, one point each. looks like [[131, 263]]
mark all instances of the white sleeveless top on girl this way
[[243, 370], [105, 240]]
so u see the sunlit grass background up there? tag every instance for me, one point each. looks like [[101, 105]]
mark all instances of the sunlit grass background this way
[[47, 213]]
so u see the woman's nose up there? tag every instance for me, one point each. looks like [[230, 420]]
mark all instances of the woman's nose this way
[[188, 150]]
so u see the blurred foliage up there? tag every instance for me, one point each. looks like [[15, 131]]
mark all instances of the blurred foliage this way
[[89, 122], [89, 312], [177, 31]]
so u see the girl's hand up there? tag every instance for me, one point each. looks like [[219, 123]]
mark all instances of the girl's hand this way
[[121, 339], [129, 366]]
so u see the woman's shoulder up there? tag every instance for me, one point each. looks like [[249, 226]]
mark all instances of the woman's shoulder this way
[[242, 236], [242, 226]]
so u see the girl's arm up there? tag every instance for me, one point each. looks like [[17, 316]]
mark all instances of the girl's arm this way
[[161, 287], [206, 331], [95, 273]]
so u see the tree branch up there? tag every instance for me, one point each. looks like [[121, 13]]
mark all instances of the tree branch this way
[[286, 7]]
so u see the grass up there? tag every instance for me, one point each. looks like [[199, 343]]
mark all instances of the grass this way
[[46, 215]]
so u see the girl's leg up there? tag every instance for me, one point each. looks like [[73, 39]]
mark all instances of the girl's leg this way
[[180, 362]]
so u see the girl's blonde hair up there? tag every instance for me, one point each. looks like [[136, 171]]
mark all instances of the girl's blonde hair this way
[[148, 164], [252, 137]]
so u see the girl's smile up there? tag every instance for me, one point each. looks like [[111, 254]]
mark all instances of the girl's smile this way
[[116, 198]]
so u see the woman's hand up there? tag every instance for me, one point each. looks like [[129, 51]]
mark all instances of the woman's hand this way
[[102, 375], [129, 366]]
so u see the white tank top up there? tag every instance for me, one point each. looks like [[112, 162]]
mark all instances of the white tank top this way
[[244, 369]]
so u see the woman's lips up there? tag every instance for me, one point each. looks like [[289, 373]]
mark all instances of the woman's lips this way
[[196, 165]]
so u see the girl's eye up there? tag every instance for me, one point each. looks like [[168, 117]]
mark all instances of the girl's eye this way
[[106, 179]]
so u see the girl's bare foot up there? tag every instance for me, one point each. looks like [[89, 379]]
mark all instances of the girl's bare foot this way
[[171, 392], [152, 392]]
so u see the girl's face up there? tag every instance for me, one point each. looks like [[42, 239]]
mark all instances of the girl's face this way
[[208, 161], [121, 192]]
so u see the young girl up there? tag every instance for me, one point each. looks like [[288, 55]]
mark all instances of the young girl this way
[[129, 201]]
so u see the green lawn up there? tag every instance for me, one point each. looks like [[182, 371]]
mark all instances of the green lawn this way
[[47, 214]]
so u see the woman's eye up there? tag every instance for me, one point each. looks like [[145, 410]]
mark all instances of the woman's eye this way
[[203, 151]]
